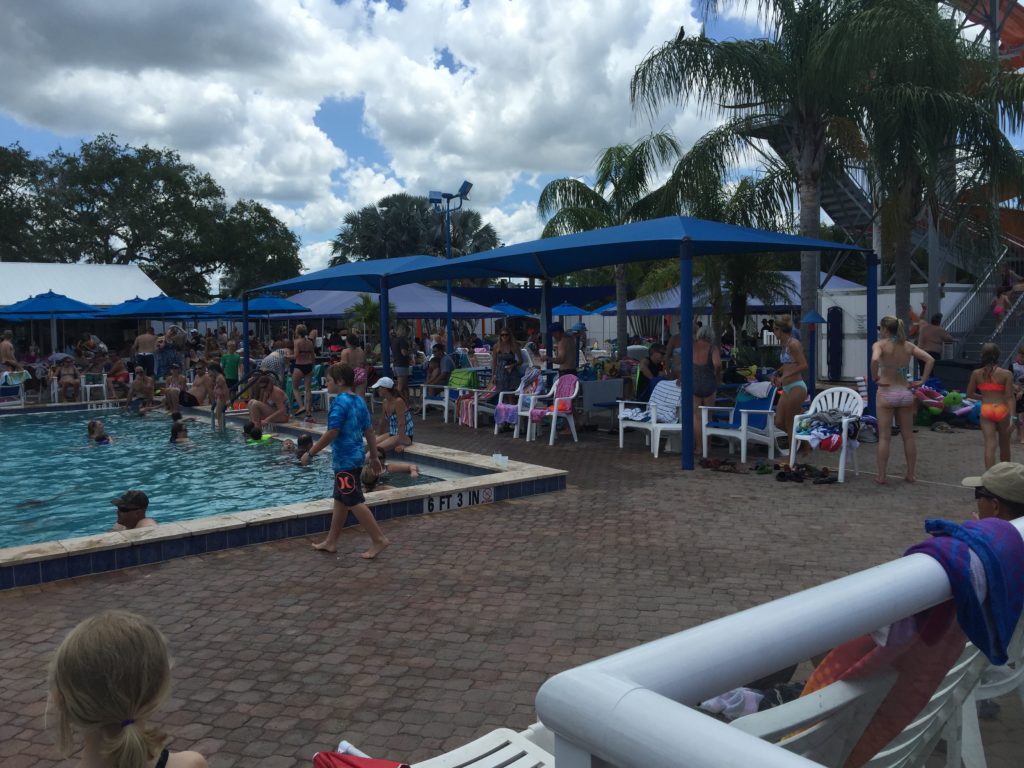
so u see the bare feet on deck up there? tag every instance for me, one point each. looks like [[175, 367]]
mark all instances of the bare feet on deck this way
[[910, 479], [375, 550], [880, 480], [323, 546]]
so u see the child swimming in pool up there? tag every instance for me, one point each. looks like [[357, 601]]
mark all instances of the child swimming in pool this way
[[372, 481], [254, 435], [179, 433], [994, 385], [97, 432]]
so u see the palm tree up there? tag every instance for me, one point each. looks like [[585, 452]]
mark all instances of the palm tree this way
[[930, 115], [621, 194], [768, 83], [699, 186]]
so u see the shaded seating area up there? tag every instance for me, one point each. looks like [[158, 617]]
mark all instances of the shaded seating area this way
[[562, 395], [657, 418]]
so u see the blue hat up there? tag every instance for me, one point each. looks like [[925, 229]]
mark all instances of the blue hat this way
[[556, 327]]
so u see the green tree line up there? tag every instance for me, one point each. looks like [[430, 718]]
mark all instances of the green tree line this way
[[110, 203]]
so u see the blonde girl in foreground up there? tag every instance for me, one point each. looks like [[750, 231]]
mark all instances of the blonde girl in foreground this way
[[890, 368], [108, 677]]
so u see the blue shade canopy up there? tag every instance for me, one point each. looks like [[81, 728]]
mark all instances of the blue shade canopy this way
[[47, 305], [124, 305], [267, 305], [510, 310], [608, 308], [565, 308], [366, 276], [409, 301], [667, 302], [640, 241], [158, 306], [222, 308]]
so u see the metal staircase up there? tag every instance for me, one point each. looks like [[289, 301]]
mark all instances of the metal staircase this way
[[845, 198]]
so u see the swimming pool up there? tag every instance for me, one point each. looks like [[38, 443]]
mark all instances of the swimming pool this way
[[59, 485]]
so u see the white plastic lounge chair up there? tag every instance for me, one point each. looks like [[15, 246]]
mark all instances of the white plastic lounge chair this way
[[835, 717], [438, 396], [525, 402], [12, 395], [651, 417], [751, 421], [93, 381], [562, 396], [502, 748], [842, 399]]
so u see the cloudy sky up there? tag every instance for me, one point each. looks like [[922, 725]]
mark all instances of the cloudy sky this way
[[317, 107]]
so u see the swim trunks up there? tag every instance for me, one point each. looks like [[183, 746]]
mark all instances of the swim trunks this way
[[360, 375], [304, 367], [896, 397], [348, 488], [994, 412], [188, 400]]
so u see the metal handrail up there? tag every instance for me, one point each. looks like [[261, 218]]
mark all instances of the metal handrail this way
[[626, 709], [971, 309]]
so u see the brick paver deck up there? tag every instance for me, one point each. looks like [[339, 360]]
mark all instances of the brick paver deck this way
[[280, 651]]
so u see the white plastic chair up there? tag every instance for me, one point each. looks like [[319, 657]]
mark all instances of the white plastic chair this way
[[501, 748], [525, 403], [90, 383], [647, 421], [563, 393], [843, 399]]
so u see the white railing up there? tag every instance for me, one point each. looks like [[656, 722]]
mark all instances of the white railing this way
[[626, 710]]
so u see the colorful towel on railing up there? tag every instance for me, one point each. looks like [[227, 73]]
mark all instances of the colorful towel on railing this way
[[984, 560], [563, 389], [920, 662]]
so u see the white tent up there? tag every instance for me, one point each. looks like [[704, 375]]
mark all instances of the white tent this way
[[101, 285]]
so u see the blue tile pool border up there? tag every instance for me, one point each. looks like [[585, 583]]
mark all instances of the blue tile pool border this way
[[147, 552]]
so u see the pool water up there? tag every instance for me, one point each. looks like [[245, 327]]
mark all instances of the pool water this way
[[59, 485]]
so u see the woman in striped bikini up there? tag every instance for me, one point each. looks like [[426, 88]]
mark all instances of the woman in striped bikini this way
[[890, 368]]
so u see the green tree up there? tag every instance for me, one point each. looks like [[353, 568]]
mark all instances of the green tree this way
[[771, 82], [20, 179], [117, 204], [408, 225], [701, 187], [256, 248], [621, 194]]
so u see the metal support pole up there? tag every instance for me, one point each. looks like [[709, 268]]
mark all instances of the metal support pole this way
[[385, 340], [448, 253], [872, 323], [545, 318], [245, 334], [812, 359], [686, 352], [451, 341]]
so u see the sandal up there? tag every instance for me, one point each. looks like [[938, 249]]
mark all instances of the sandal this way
[[826, 480]]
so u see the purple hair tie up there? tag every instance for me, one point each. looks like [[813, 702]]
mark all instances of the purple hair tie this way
[[126, 723]]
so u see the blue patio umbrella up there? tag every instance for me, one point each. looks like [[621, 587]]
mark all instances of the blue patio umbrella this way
[[565, 308], [158, 306], [609, 307], [49, 306], [510, 310], [222, 308], [268, 305]]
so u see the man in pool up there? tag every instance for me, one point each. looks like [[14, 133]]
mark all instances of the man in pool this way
[[347, 424], [131, 511], [140, 394]]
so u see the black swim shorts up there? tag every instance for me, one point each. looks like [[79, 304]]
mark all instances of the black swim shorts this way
[[348, 488], [188, 400]]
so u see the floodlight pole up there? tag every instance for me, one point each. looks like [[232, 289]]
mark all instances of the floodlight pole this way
[[686, 352], [445, 198]]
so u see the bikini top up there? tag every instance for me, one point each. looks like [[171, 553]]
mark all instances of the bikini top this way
[[785, 357], [991, 386]]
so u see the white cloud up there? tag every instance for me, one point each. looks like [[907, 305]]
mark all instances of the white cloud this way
[[315, 255], [540, 89]]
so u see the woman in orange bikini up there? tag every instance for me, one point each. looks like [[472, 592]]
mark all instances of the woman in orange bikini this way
[[890, 367], [995, 386]]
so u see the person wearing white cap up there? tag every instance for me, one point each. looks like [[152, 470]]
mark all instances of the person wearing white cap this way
[[999, 492], [396, 426]]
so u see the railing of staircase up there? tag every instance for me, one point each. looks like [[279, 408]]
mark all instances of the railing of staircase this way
[[1012, 325], [625, 709], [969, 312]]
